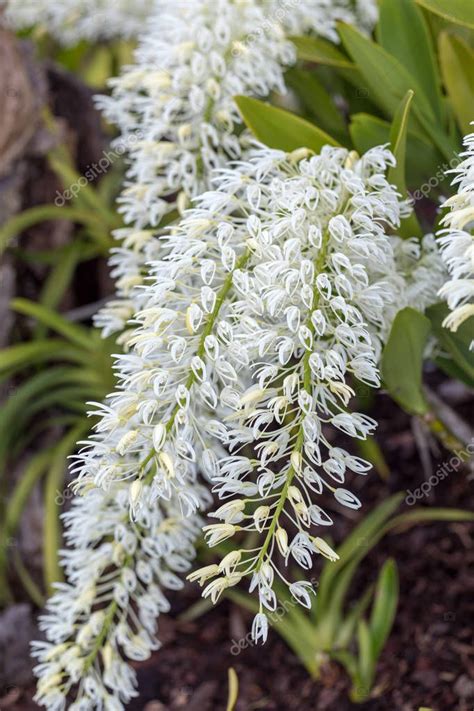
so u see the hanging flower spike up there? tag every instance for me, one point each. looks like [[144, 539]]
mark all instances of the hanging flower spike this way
[[457, 243], [308, 315], [71, 21], [106, 613], [178, 97], [320, 17], [176, 114]]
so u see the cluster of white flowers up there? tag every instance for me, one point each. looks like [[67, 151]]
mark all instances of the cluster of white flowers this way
[[175, 109], [457, 242], [320, 16], [269, 300], [117, 570], [309, 311], [70, 21]]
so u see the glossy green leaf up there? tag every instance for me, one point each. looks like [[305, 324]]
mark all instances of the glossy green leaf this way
[[456, 343], [281, 129], [458, 11], [457, 65], [422, 158], [316, 100], [384, 607], [403, 32], [321, 51], [388, 80], [402, 360]]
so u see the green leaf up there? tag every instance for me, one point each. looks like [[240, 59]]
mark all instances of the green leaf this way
[[460, 12], [24, 354], [76, 334], [403, 32], [53, 489], [384, 607], [35, 215], [356, 545], [396, 175], [457, 65], [388, 82], [422, 158], [371, 450], [365, 664], [456, 343], [316, 100], [320, 51], [402, 360], [281, 129], [387, 79], [60, 277]]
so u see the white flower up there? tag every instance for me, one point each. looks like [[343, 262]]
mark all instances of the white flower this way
[[457, 242], [71, 21], [107, 610], [320, 16], [308, 310]]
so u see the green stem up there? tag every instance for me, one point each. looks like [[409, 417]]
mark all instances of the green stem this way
[[319, 266]]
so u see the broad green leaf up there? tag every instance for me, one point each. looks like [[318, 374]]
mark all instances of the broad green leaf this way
[[281, 129], [457, 65], [388, 82], [321, 51], [458, 11], [403, 32], [396, 175], [76, 334], [384, 607], [316, 100], [455, 343], [402, 360], [422, 158]]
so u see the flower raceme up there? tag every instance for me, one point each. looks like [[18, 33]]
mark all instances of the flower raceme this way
[[309, 311], [175, 109], [71, 21], [457, 242], [178, 98], [107, 611], [269, 300]]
